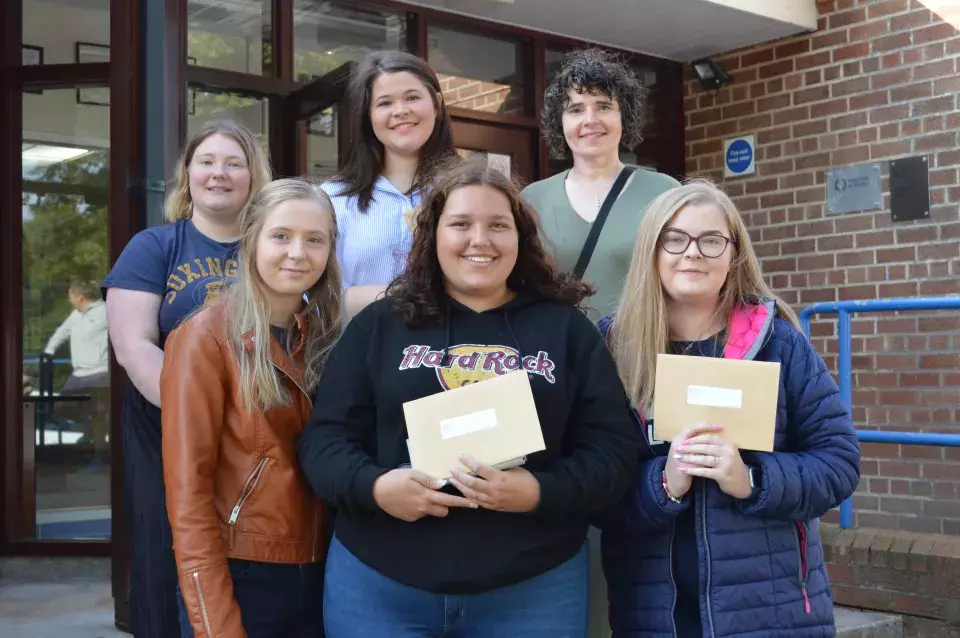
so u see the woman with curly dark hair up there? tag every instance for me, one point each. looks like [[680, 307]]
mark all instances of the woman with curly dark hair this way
[[497, 552], [592, 108]]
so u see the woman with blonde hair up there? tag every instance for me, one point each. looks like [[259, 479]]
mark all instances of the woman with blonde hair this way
[[162, 276], [715, 541], [236, 391]]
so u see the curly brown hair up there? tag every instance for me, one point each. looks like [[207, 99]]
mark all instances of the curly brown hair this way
[[419, 294], [597, 72]]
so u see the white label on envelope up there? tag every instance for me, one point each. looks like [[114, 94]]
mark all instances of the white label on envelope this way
[[468, 423], [714, 397]]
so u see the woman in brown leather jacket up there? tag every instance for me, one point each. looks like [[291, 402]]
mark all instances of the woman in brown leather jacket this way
[[236, 390]]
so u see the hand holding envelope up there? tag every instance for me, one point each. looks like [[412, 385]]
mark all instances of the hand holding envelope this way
[[515, 490], [410, 495], [702, 451]]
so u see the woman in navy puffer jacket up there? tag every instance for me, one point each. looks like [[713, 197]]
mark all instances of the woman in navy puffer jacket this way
[[713, 541]]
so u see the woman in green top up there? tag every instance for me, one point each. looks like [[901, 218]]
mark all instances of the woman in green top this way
[[591, 109]]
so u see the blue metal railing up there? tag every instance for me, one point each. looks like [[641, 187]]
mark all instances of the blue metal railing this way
[[844, 310]]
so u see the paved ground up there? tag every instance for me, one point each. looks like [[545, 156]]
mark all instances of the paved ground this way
[[50, 598]]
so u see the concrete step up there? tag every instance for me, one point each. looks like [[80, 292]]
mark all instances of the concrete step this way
[[856, 623]]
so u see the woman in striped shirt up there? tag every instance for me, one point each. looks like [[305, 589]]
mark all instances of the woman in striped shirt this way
[[399, 127]]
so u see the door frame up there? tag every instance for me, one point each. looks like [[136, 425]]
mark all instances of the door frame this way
[[483, 136]]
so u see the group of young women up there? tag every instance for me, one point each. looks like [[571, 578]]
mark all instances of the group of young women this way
[[282, 326]]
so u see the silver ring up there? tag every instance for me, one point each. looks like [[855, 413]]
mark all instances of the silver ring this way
[[716, 460]]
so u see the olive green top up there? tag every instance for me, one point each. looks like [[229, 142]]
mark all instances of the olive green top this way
[[566, 232]]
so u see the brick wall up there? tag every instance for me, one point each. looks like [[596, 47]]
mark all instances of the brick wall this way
[[477, 95], [917, 575], [878, 80]]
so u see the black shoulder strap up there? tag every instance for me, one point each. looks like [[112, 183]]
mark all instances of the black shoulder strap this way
[[590, 245]]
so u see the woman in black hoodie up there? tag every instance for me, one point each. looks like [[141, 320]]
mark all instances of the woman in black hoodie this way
[[501, 553]]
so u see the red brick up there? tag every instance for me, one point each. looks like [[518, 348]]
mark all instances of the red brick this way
[[833, 107], [947, 85], [868, 30], [911, 92], [933, 52], [851, 155], [889, 149], [813, 60], [939, 31], [939, 140], [813, 161], [876, 238], [866, 135], [910, 20], [831, 39], [936, 105], [795, 114], [792, 49], [940, 69], [773, 103], [891, 42], [890, 78], [847, 18], [848, 121], [758, 57], [805, 129], [886, 8], [814, 94], [889, 114], [853, 51], [868, 100], [773, 135]]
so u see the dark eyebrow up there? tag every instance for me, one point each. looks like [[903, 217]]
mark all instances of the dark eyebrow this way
[[380, 97]]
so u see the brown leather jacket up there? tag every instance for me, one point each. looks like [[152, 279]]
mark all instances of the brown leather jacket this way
[[233, 482]]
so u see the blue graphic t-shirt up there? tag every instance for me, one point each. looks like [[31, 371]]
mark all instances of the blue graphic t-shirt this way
[[178, 262]]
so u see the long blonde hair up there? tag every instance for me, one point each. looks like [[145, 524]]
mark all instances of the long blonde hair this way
[[640, 329], [179, 203], [247, 310]]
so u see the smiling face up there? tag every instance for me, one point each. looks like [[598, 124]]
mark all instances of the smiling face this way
[[592, 125], [402, 112], [292, 249], [477, 243], [219, 177], [691, 277]]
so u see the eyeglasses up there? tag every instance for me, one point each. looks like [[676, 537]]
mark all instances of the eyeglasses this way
[[676, 242]]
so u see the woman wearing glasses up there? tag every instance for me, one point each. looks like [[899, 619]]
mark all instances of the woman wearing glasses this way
[[715, 541]]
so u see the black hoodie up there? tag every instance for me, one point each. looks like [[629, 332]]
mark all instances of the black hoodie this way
[[357, 433]]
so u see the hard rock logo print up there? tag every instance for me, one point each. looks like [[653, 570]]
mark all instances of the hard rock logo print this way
[[472, 363]]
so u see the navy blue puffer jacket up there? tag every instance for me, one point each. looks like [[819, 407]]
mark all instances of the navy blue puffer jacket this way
[[761, 562]]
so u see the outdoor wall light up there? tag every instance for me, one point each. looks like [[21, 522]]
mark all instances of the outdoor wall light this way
[[711, 75]]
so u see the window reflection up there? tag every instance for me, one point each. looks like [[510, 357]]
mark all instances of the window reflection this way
[[66, 381], [330, 34], [233, 35], [203, 105], [53, 28], [477, 72]]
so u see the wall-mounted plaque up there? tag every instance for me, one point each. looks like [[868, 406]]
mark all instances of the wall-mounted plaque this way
[[909, 189], [853, 188]]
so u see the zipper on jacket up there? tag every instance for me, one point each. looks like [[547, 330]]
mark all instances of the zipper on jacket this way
[[801, 537], [706, 546], [203, 605], [673, 581], [249, 488]]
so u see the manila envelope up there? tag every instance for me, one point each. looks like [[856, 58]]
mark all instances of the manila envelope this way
[[739, 395], [494, 421]]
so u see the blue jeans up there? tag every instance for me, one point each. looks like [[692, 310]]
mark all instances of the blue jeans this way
[[359, 602], [276, 601]]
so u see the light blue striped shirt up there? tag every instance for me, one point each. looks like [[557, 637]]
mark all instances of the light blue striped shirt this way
[[373, 244]]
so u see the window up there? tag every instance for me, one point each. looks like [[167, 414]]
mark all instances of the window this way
[[232, 35], [478, 72], [65, 153]]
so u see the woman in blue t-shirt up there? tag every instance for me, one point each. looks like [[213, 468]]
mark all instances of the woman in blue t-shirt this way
[[162, 276], [400, 127]]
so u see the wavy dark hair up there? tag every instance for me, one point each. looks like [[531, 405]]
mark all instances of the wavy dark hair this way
[[364, 159], [597, 72], [419, 292]]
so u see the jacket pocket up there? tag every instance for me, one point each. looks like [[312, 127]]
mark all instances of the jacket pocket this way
[[800, 536], [253, 481]]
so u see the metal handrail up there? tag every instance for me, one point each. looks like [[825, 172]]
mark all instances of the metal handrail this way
[[844, 310]]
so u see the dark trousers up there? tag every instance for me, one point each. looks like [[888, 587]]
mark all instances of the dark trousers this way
[[153, 570], [276, 601]]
